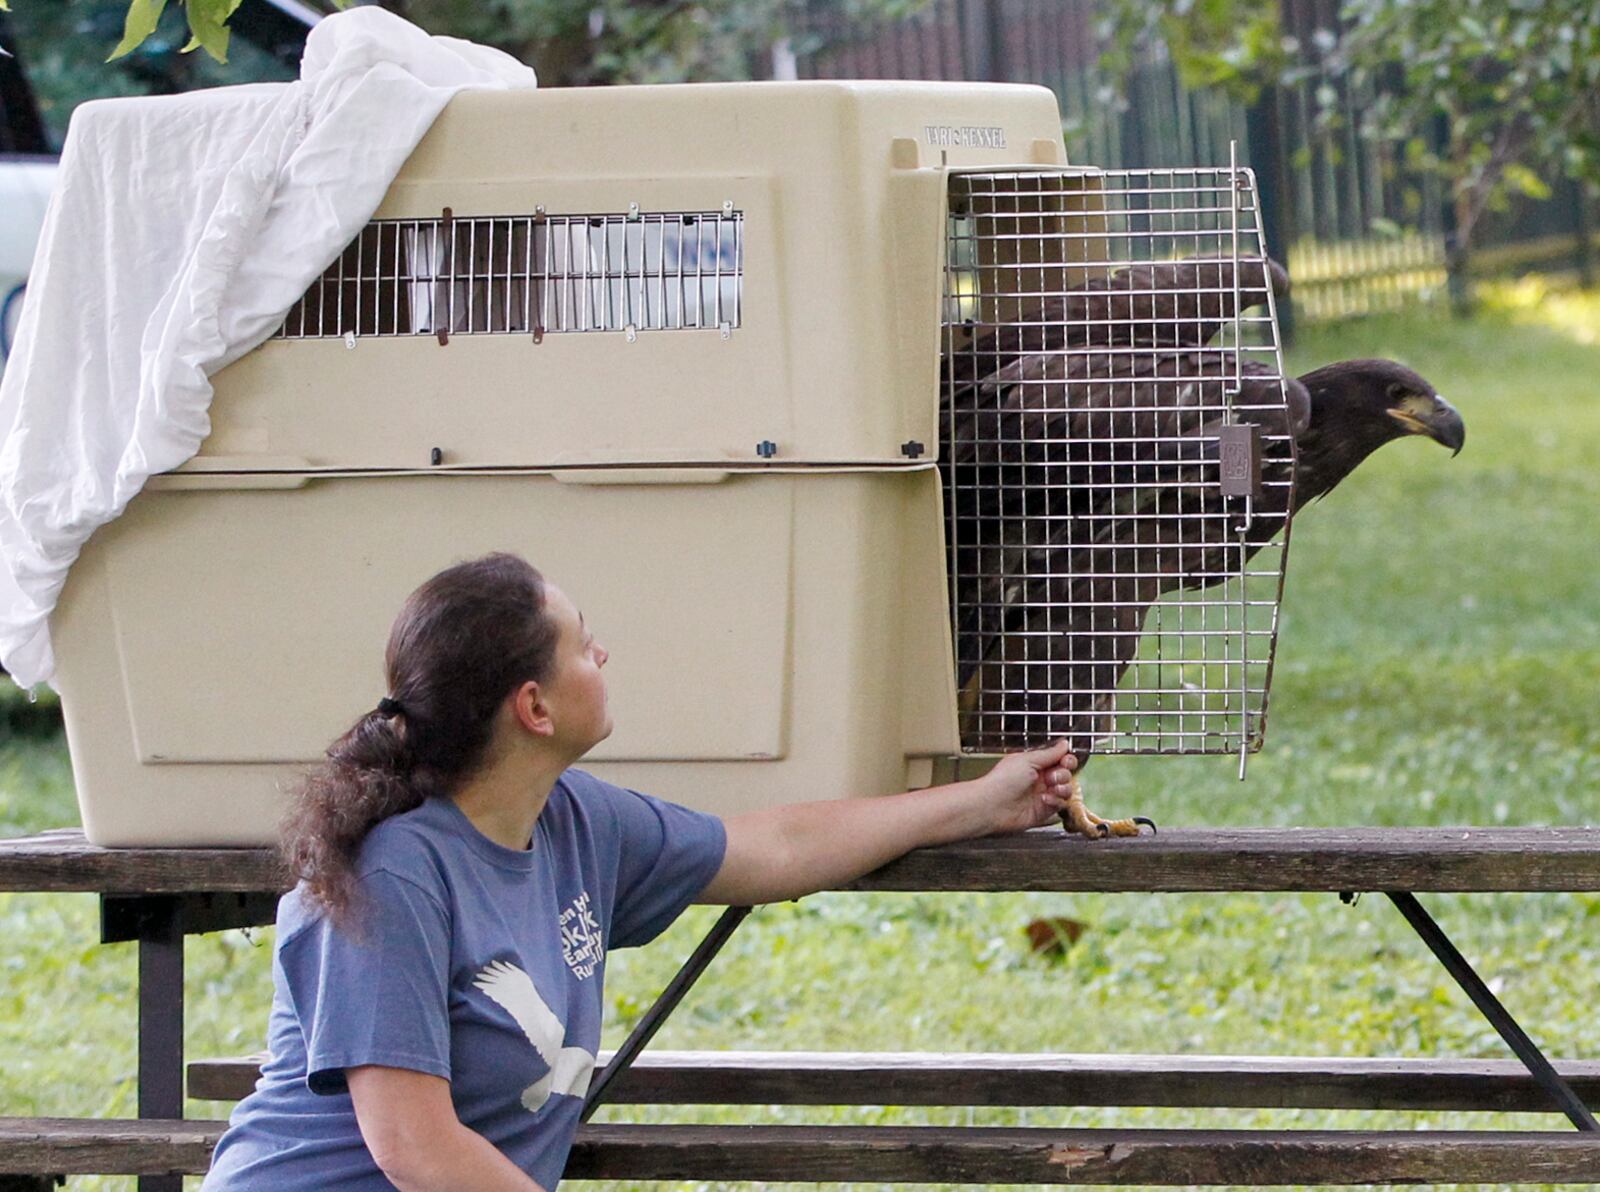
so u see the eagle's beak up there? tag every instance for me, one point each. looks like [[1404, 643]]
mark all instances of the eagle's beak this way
[[1436, 418]]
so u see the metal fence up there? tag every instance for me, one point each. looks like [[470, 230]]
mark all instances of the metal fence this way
[[1361, 231]]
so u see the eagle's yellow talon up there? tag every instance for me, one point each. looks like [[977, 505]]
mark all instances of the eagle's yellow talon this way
[[1075, 817], [1121, 827]]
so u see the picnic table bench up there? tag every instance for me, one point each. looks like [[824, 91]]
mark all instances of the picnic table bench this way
[[157, 896]]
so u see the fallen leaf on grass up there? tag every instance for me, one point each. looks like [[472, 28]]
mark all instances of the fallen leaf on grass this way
[[1054, 935]]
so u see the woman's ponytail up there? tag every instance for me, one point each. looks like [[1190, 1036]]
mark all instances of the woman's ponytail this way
[[463, 641], [366, 779]]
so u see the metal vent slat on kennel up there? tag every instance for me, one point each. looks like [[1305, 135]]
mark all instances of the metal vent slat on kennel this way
[[1085, 422], [531, 274]]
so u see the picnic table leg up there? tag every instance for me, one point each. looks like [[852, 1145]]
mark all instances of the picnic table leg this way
[[161, 1029], [155, 921], [1499, 1017], [665, 1004]]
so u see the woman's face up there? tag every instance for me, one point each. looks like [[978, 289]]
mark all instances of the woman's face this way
[[576, 692]]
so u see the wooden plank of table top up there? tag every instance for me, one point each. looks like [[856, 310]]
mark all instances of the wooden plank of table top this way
[[62, 861], [78, 1146], [989, 1155], [1181, 859], [933, 1078], [1261, 859]]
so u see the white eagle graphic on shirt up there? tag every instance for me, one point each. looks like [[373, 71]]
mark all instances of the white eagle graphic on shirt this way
[[570, 1067]]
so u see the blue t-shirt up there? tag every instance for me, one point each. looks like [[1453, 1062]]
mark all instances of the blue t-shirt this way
[[466, 960]]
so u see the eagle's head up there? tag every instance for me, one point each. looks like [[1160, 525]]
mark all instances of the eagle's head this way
[[1356, 407], [1379, 400]]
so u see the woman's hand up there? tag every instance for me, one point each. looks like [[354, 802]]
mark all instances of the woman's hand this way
[[1027, 790]]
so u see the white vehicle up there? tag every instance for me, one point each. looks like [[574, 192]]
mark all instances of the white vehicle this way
[[24, 191]]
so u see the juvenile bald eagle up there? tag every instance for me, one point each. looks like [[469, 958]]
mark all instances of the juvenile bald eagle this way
[[1085, 485]]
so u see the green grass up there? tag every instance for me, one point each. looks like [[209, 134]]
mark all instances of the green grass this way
[[1438, 661]]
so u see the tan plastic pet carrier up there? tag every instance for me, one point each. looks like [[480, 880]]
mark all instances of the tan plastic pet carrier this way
[[691, 350]]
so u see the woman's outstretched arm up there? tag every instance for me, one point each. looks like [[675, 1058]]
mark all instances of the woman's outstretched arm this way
[[784, 852]]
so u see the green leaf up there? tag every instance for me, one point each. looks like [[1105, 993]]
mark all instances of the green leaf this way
[[143, 17], [208, 24], [1525, 180]]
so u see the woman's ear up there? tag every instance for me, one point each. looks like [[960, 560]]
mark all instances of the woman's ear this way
[[531, 711]]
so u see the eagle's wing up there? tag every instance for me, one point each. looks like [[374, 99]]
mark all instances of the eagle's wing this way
[[569, 1067], [1169, 304], [513, 991], [1053, 611], [1067, 445], [1080, 453], [1083, 486]]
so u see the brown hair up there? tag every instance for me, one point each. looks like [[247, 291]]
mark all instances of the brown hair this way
[[463, 641]]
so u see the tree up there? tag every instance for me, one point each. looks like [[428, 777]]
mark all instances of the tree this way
[[1497, 96], [207, 21], [577, 42], [66, 42], [567, 41], [63, 46], [1511, 86]]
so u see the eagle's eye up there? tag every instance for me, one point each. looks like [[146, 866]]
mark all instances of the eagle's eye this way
[[1396, 392]]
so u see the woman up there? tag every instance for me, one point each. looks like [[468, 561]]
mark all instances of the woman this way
[[438, 968]]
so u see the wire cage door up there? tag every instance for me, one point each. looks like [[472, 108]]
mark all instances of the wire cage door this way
[[1117, 462]]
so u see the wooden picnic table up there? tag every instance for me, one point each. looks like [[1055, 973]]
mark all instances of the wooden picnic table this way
[[156, 896]]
